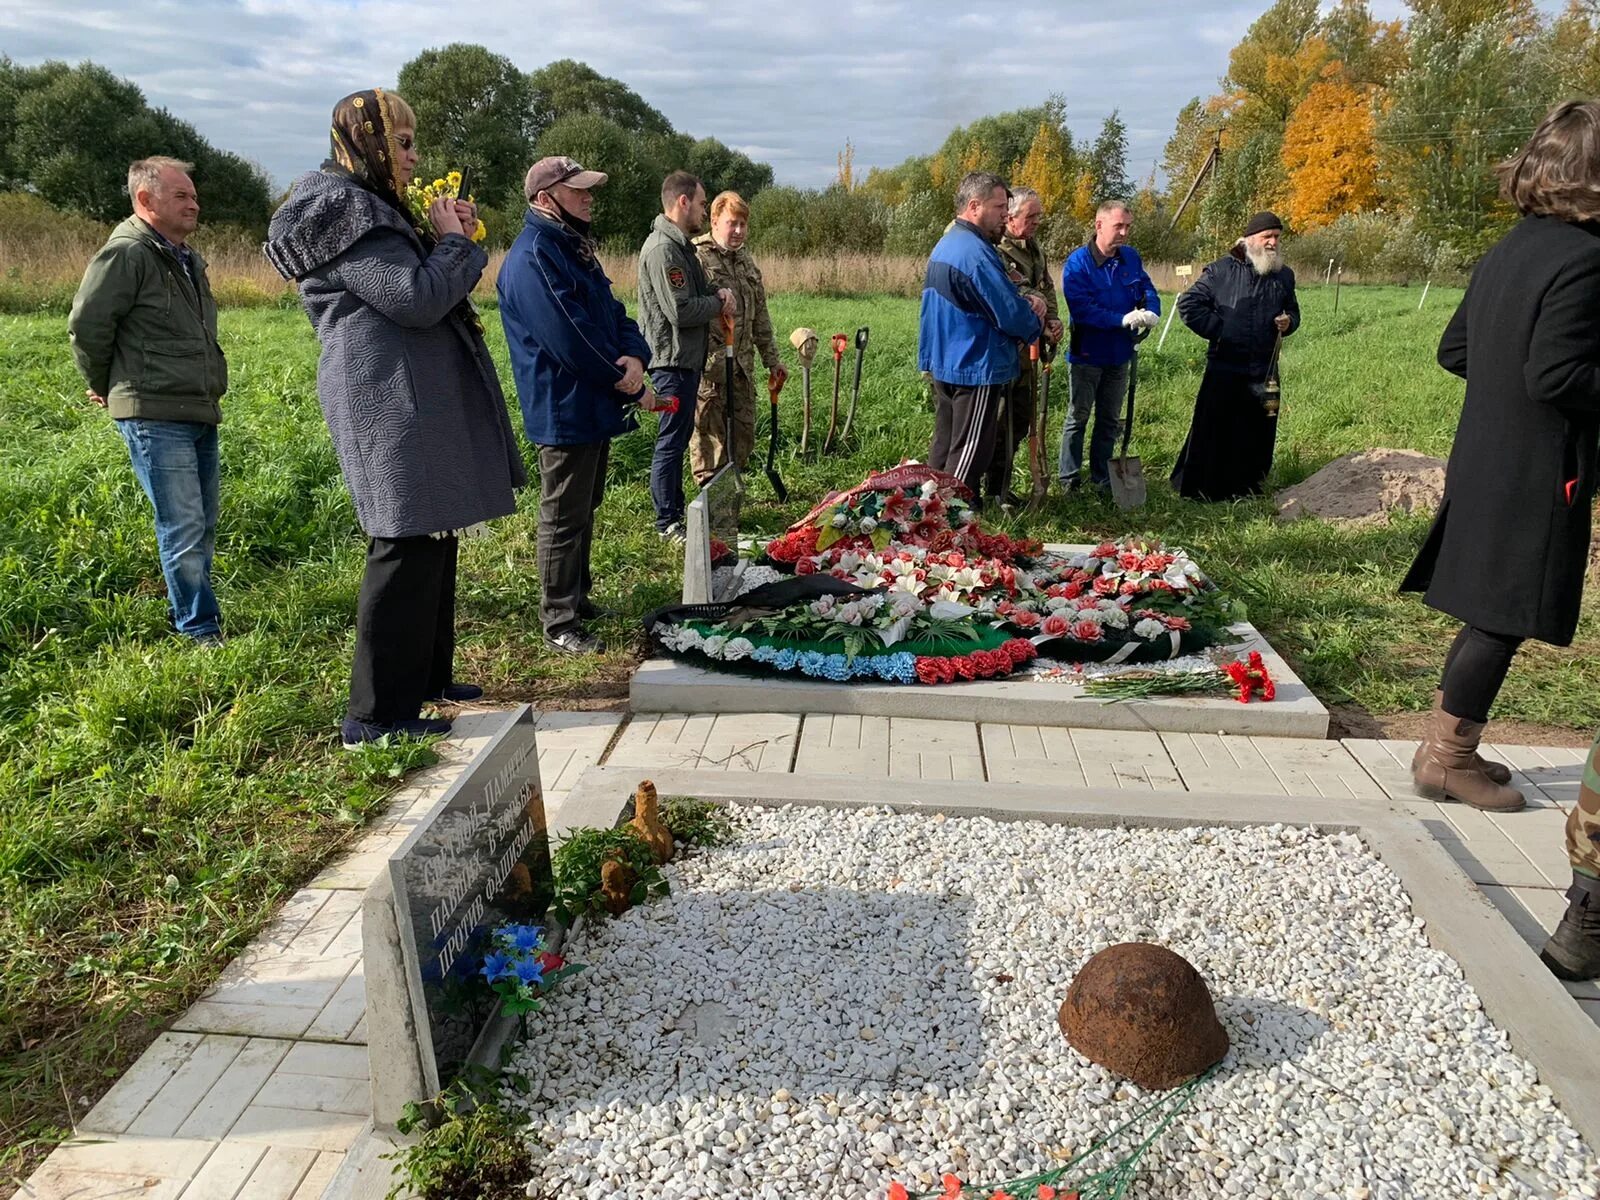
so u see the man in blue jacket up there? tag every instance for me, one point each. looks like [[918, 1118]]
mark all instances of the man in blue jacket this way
[[579, 363], [971, 321], [1110, 300]]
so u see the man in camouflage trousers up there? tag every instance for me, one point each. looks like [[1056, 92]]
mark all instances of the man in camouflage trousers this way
[[1573, 951], [1025, 264], [728, 265]]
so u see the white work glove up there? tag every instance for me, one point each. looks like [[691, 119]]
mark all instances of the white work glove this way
[[1140, 318]]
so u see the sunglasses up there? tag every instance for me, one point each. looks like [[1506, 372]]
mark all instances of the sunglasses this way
[[406, 142]]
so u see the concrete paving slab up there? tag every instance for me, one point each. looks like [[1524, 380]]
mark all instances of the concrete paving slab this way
[[1311, 768], [279, 1173], [1054, 756], [1209, 762], [51, 1182], [928, 749], [343, 1013], [227, 1171], [305, 1128], [248, 1020], [326, 1058], [1556, 771], [319, 1093], [206, 1064], [1533, 913], [843, 744], [759, 741], [321, 1174], [130, 1095], [226, 1099]]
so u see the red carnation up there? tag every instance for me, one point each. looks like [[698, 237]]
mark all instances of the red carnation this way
[[1156, 562], [1072, 590], [1105, 549], [1129, 589], [805, 566], [1129, 561], [1087, 631], [965, 667], [928, 670], [1178, 623], [1055, 625], [1019, 650], [1105, 585], [1024, 619]]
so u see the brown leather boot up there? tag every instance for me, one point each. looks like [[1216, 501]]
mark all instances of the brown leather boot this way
[[1444, 768], [1498, 772]]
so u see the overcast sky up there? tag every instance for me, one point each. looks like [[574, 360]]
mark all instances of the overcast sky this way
[[784, 82]]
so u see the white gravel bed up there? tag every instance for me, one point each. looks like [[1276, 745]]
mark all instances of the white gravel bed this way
[[824, 1007]]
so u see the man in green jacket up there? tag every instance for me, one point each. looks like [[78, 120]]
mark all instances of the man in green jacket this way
[[677, 304], [1025, 264], [144, 333]]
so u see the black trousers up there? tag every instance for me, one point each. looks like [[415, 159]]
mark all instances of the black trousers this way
[[1017, 412], [572, 483], [1474, 670], [405, 628], [964, 431]]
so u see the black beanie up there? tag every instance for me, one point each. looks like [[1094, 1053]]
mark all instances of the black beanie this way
[[1262, 222]]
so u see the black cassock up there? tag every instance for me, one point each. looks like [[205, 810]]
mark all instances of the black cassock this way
[[1229, 448], [1228, 452]]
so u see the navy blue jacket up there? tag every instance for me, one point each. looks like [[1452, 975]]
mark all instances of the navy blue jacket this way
[[1098, 296], [1233, 308], [972, 315], [565, 331]]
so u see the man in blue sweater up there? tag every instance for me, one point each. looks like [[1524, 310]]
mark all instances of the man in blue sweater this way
[[579, 363], [1110, 300], [971, 321]]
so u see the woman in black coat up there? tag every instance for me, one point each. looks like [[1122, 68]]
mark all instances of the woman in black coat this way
[[1507, 552]]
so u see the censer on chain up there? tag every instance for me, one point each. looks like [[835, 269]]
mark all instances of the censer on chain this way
[[1270, 397]]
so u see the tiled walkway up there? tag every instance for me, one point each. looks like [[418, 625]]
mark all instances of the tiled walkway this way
[[257, 1091]]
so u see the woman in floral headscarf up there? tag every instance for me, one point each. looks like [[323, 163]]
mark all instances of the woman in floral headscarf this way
[[410, 396]]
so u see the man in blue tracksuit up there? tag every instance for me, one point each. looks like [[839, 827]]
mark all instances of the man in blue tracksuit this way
[[971, 321], [579, 363], [1110, 300]]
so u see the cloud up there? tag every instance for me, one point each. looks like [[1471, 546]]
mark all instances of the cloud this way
[[793, 79]]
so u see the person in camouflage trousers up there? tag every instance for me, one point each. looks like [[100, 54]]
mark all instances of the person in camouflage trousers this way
[[1025, 264], [1573, 951], [729, 265]]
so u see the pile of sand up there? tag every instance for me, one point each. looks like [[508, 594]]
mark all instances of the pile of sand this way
[[1362, 489]]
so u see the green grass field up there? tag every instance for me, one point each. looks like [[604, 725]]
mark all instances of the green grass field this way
[[156, 801]]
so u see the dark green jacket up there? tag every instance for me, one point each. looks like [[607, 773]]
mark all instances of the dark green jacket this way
[[144, 335], [676, 301]]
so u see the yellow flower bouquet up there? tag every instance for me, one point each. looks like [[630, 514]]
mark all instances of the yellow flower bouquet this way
[[420, 196]]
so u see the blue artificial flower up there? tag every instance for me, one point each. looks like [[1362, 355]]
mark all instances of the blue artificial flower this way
[[764, 654], [785, 660], [810, 662], [529, 971], [835, 667], [520, 938], [863, 666], [496, 966]]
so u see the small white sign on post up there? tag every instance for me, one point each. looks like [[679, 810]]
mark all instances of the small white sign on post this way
[[1184, 271]]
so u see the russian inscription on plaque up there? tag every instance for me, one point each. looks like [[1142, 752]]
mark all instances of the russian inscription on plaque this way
[[482, 860]]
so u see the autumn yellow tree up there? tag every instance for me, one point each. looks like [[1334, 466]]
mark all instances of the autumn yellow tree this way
[[1047, 169], [1083, 199], [845, 181], [1330, 153]]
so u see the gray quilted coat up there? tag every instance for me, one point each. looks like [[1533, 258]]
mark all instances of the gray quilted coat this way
[[406, 383]]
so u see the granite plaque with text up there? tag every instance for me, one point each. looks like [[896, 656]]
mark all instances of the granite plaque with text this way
[[482, 859]]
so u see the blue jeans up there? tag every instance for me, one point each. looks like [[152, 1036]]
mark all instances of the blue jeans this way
[[672, 439], [1102, 391], [176, 462]]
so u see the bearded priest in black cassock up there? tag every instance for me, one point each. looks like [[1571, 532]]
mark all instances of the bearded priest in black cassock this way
[[1242, 304]]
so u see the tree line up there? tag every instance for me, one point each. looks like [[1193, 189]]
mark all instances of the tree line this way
[[1375, 140]]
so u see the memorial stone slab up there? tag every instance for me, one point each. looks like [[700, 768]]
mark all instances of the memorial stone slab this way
[[711, 536], [479, 860]]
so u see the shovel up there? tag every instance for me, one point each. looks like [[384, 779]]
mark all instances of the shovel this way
[[728, 458], [1036, 475], [1127, 472], [804, 341], [840, 341], [774, 386], [855, 396]]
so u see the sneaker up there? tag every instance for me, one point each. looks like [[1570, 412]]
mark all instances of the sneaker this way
[[458, 693], [589, 611], [672, 533], [574, 641], [356, 732]]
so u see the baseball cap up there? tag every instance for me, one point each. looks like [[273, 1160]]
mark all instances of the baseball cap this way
[[558, 168]]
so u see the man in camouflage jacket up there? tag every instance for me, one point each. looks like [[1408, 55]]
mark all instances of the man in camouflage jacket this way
[[1025, 264], [729, 265]]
